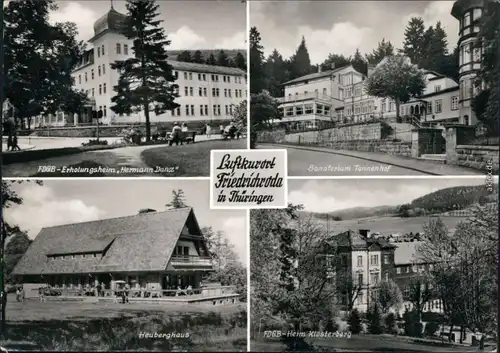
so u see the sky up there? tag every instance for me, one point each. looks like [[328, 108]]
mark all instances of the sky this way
[[333, 195], [342, 26], [60, 202], [189, 24]]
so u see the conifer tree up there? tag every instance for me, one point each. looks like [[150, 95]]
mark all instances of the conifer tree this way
[[146, 80], [198, 57]]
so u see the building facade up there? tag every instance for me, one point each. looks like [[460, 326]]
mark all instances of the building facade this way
[[367, 259], [468, 13], [205, 92], [152, 251], [339, 96]]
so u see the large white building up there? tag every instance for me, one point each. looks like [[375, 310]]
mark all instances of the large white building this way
[[338, 95], [206, 92]]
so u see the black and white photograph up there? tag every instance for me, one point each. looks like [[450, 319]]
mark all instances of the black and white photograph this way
[[122, 265], [348, 90], [122, 88], [377, 265]]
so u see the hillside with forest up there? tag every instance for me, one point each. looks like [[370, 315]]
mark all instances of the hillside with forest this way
[[441, 201]]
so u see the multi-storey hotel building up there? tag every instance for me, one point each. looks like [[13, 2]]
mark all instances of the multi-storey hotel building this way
[[338, 95], [205, 92]]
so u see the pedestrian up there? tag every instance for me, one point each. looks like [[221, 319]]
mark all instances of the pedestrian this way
[[208, 130], [9, 142], [41, 294], [221, 129], [15, 146], [184, 127], [127, 290], [18, 294], [176, 134]]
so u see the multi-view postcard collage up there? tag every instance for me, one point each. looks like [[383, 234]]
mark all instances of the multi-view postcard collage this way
[[233, 176]]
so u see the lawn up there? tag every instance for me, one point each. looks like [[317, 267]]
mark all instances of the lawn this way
[[80, 326], [192, 160], [389, 225]]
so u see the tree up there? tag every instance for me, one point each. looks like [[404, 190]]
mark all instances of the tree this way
[[420, 293], [198, 57], [277, 72], [383, 50], [435, 52], [240, 114], [240, 62], [301, 63], [414, 45], [375, 321], [388, 296], [38, 60], [263, 110], [396, 78], [222, 59], [335, 60], [185, 56], [354, 322], [211, 60], [146, 80], [359, 63], [178, 200], [15, 249], [348, 286], [9, 198], [489, 73], [256, 60], [390, 323]]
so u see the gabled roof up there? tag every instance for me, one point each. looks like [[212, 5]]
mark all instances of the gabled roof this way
[[315, 75], [204, 68], [356, 241], [142, 242]]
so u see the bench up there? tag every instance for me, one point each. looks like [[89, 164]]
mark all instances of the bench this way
[[181, 137]]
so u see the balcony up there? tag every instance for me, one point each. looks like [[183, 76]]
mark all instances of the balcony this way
[[306, 96], [191, 260]]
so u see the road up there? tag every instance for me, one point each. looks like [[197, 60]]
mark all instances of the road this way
[[305, 161]]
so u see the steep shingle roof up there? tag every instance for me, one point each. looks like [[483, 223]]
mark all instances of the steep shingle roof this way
[[142, 242], [203, 68]]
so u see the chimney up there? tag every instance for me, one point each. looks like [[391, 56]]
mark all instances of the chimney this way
[[146, 210], [319, 68], [365, 233], [332, 66], [371, 67]]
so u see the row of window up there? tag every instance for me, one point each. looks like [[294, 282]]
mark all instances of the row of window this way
[[374, 278], [469, 54], [204, 77], [325, 92], [91, 91], [412, 269], [373, 260], [189, 110], [307, 109], [80, 256], [470, 17], [101, 69], [202, 92]]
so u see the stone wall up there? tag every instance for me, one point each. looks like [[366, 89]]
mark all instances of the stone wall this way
[[345, 133], [477, 157], [396, 148]]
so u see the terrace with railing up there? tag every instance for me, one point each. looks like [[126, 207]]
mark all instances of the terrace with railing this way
[[191, 259], [306, 96]]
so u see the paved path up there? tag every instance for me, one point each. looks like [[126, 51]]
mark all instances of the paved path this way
[[129, 156], [320, 161]]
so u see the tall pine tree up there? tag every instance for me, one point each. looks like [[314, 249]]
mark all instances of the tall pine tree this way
[[198, 57], [277, 73], [185, 56], [146, 78], [222, 59], [383, 49], [257, 74], [240, 62], [301, 62], [211, 60], [335, 60], [359, 63], [414, 43]]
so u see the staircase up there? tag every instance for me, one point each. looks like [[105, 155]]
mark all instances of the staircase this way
[[437, 158], [415, 121]]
